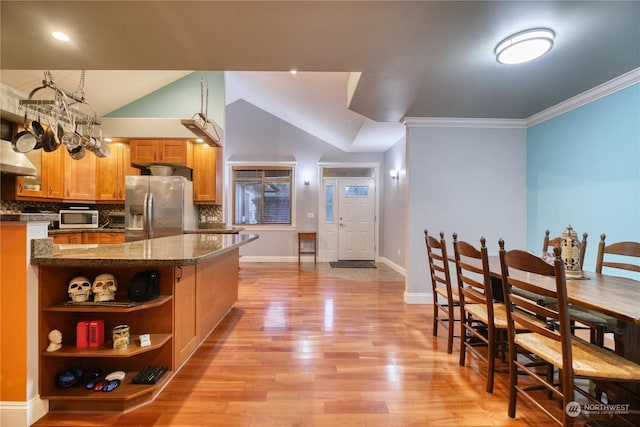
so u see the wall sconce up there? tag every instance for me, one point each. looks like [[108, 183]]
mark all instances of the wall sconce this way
[[395, 173], [306, 180]]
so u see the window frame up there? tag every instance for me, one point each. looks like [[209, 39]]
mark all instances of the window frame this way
[[233, 166]]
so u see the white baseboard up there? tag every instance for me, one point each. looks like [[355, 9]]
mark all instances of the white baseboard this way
[[246, 258], [418, 298], [394, 266], [22, 414]]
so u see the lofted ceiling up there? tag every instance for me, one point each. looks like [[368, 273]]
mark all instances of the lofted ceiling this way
[[415, 58]]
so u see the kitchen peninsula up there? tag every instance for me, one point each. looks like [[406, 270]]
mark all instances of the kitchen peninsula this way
[[198, 285]]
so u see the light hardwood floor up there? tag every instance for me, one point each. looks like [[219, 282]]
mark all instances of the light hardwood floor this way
[[314, 346]]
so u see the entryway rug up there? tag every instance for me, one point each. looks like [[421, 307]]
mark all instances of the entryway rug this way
[[352, 264]]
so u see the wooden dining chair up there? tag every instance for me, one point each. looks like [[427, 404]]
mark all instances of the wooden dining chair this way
[[574, 357], [445, 297], [484, 321], [598, 324], [628, 250]]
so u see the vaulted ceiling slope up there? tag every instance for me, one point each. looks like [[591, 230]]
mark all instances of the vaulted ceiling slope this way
[[416, 58]]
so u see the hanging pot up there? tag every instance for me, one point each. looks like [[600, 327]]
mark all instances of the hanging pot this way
[[23, 142], [77, 153], [50, 140], [38, 131]]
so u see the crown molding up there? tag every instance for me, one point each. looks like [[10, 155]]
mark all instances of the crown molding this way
[[619, 83], [453, 122]]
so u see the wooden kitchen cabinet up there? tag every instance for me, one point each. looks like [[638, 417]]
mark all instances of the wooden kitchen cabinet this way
[[80, 178], [154, 317], [207, 174], [90, 238], [110, 173], [185, 313], [111, 237], [176, 152], [48, 182], [58, 177], [67, 238]]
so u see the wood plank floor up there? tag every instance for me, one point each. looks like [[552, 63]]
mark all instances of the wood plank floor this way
[[315, 346]]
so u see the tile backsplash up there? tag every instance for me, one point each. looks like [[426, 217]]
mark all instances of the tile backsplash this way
[[206, 213]]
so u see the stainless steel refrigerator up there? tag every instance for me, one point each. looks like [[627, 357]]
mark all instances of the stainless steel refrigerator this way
[[158, 206]]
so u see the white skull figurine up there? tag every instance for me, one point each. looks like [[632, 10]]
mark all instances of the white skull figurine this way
[[79, 289], [104, 287]]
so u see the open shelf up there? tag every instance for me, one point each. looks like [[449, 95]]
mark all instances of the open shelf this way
[[109, 309], [126, 397], [157, 341]]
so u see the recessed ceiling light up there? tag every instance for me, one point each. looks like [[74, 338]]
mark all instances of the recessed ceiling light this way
[[524, 46], [60, 36], [294, 71], [199, 140]]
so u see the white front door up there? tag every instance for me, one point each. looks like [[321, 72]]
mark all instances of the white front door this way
[[356, 219]]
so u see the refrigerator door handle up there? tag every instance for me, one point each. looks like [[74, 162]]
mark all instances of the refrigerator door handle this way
[[150, 215], [145, 216]]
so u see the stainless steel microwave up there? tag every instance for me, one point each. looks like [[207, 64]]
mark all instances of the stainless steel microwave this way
[[76, 218]]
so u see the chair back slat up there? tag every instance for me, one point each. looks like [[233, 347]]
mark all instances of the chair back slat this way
[[629, 250], [472, 270]]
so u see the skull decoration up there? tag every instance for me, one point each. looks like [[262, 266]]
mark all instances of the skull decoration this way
[[104, 287], [79, 289]]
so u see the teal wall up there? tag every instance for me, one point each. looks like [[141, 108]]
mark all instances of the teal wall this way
[[180, 99], [583, 170]]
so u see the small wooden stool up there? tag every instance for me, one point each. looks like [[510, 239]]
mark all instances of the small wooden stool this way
[[307, 236]]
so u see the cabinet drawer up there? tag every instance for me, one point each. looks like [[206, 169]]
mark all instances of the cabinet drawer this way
[[111, 237], [92, 238]]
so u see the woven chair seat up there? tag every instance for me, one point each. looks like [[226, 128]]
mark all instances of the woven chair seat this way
[[479, 312], [455, 295], [588, 360]]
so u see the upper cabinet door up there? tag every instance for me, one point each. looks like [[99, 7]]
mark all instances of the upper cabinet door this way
[[80, 178], [107, 175], [177, 152], [144, 151], [207, 179], [110, 173]]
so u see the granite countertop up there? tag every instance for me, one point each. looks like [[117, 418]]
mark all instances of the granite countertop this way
[[183, 249], [29, 217], [85, 230], [216, 230]]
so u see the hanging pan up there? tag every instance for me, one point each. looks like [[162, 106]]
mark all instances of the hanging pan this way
[[24, 141]]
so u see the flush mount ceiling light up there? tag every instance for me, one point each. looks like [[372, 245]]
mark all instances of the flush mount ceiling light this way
[[524, 46], [60, 36]]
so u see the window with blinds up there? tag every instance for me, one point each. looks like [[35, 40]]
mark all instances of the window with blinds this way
[[262, 195]]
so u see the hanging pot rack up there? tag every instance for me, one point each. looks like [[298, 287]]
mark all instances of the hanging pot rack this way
[[71, 111], [199, 124], [64, 106]]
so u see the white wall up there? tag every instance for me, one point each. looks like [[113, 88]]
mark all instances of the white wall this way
[[394, 208], [253, 135], [469, 180]]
